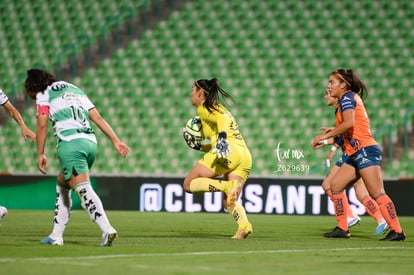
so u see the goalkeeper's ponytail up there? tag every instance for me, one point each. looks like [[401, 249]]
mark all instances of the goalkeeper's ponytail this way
[[212, 92]]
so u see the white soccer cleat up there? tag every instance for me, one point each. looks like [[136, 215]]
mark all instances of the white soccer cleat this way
[[109, 237], [3, 212], [382, 228], [354, 221], [52, 241]]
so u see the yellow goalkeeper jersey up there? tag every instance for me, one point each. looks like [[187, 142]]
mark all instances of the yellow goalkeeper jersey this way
[[217, 121]]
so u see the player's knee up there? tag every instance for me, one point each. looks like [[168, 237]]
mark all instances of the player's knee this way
[[186, 185]]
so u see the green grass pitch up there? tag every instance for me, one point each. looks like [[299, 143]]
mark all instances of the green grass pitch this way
[[199, 243]]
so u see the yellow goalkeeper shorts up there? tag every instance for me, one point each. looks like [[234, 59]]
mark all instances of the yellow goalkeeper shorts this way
[[239, 162]]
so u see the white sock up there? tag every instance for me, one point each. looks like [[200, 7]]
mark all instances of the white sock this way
[[93, 205], [62, 210]]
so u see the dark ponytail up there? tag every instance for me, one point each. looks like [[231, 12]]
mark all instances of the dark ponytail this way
[[212, 93], [352, 81]]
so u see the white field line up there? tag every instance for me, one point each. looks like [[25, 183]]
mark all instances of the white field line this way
[[200, 253]]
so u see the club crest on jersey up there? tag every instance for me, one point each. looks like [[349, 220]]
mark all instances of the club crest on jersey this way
[[59, 86]]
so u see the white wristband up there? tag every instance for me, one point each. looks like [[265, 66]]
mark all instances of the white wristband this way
[[325, 141], [333, 148]]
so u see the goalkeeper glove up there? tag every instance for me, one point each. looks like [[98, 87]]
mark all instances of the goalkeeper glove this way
[[222, 148]]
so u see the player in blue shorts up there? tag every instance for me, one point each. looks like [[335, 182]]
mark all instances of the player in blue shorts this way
[[365, 155], [361, 191]]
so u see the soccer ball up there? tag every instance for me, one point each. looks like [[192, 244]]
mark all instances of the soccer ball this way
[[192, 133], [3, 212]]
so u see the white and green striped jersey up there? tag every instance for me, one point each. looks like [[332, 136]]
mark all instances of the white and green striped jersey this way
[[68, 110], [3, 98]]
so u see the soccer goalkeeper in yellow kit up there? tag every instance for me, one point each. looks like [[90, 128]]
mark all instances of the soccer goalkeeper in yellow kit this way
[[228, 155]]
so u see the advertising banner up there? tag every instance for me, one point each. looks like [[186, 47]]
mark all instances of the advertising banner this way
[[287, 196]]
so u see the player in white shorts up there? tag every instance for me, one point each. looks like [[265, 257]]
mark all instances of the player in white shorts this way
[[70, 111], [27, 133], [15, 114]]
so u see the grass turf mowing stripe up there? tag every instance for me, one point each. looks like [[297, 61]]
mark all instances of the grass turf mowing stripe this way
[[203, 253]]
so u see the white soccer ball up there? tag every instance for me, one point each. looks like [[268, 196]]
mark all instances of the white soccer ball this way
[[192, 133], [3, 212]]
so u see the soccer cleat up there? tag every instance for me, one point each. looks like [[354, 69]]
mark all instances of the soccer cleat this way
[[3, 212], [233, 192], [381, 228], [354, 221], [337, 233], [108, 238], [394, 236], [52, 241], [243, 231]]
